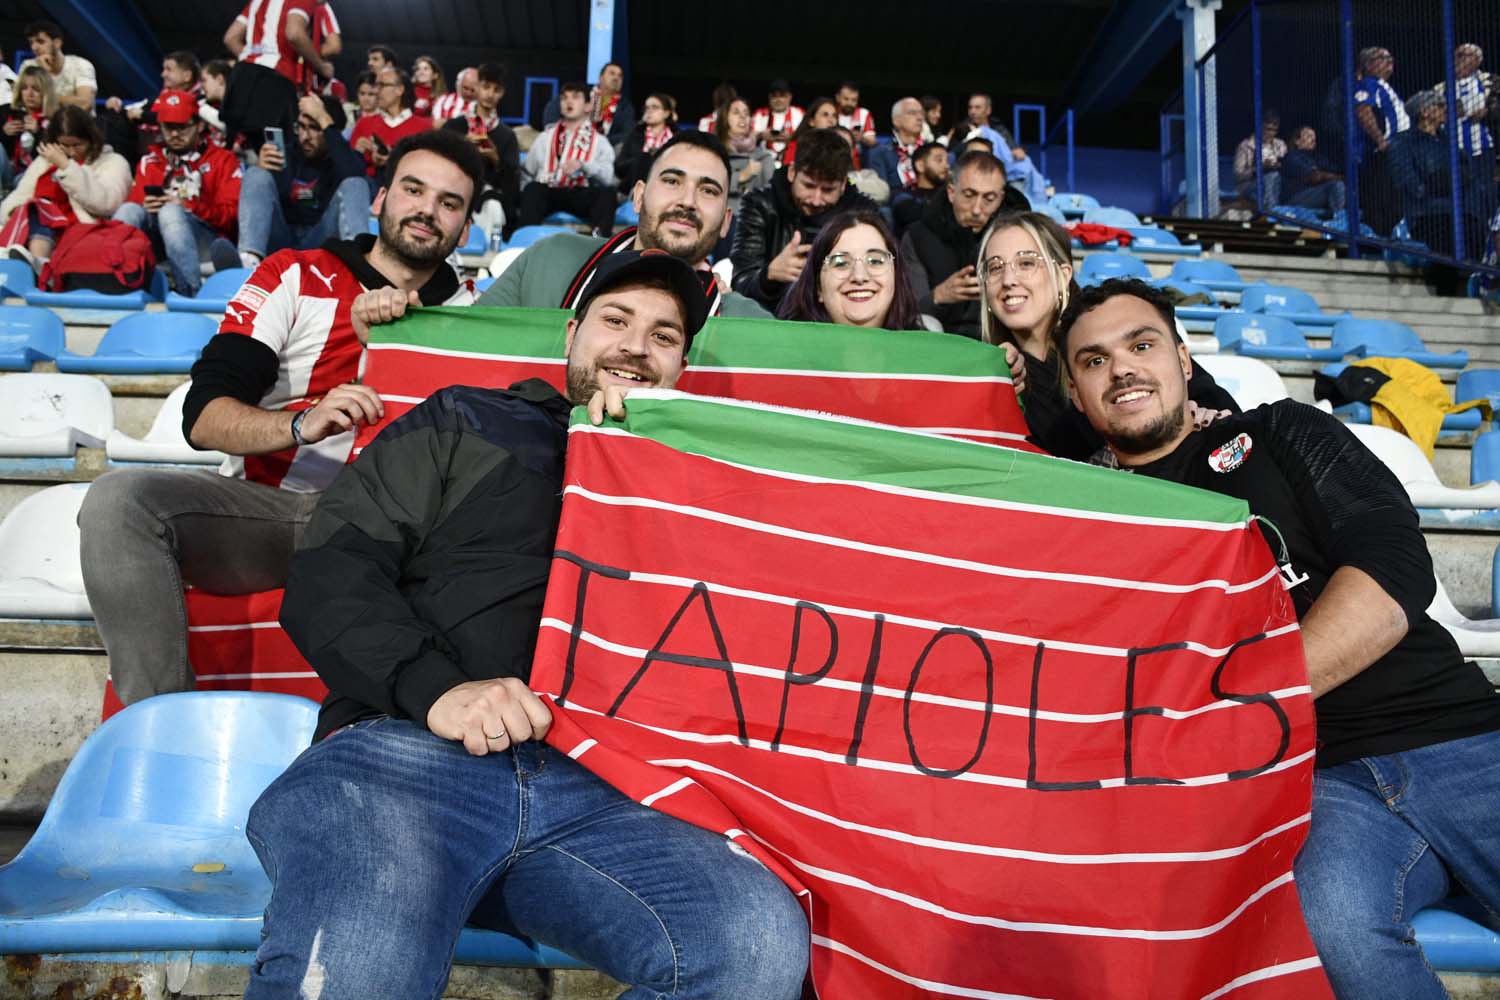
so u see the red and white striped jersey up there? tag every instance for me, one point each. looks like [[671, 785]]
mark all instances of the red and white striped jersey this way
[[783, 121], [297, 303], [325, 23], [265, 34], [451, 105], [708, 121], [859, 121]]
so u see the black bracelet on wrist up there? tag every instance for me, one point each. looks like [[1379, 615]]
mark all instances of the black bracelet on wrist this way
[[297, 437]]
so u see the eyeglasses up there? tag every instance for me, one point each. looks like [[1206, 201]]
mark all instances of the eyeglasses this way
[[875, 261], [1026, 264], [389, 83]]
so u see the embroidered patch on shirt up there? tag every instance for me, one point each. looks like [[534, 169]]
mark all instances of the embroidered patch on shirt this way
[[1231, 454]]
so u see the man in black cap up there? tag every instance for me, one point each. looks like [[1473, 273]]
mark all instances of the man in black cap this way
[[428, 799], [774, 124]]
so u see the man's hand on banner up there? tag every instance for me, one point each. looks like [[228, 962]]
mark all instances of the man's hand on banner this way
[[1016, 362], [377, 306], [610, 400], [489, 716], [343, 409]]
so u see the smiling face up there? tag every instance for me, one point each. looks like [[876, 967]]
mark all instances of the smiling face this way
[[1128, 375], [854, 292], [1023, 295], [684, 203], [780, 100], [631, 336], [425, 212], [979, 110], [848, 100], [1307, 139], [421, 72]]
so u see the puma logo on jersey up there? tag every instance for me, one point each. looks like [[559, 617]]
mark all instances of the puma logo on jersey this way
[[326, 279], [233, 313], [1231, 454]]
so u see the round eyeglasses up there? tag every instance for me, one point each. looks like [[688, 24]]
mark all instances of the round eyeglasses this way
[[875, 261], [1027, 263]]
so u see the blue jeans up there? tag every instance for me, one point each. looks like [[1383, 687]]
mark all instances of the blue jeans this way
[[263, 225], [1388, 836], [183, 238], [1327, 196], [382, 840]]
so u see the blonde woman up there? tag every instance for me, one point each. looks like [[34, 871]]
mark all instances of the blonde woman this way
[[32, 107]]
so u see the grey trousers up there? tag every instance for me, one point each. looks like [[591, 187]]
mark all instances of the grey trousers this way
[[145, 532]]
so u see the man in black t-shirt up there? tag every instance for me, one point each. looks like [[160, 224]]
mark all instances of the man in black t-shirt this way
[[1407, 790]]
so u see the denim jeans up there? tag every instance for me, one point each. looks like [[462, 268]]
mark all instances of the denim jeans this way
[[1389, 836], [1327, 196], [263, 225], [143, 532], [382, 840], [184, 238]]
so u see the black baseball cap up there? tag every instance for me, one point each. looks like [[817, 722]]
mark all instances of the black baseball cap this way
[[630, 265], [779, 87]]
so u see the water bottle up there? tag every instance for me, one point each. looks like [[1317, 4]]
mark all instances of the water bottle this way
[[27, 141], [497, 242]]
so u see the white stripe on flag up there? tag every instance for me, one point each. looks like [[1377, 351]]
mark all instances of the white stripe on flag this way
[[936, 496], [476, 355], [1261, 975], [927, 984], [970, 432], [393, 398], [871, 376], [240, 627], [582, 748], [913, 555], [290, 675], [1016, 711], [671, 789]]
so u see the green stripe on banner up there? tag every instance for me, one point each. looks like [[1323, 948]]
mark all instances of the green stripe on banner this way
[[723, 343], [832, 448]]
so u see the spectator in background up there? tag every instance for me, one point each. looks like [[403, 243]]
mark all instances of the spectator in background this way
[[980, 107], [367, 94], [856, 119], [378, 57], [1307, 180], [896, 163], [941, 248], [427, 85], [74, 178], [1478, 102], [375, 135], [775, 123], [7, 82], [570, 167], [317, 192], [278, 389], [722, 95], [751, 165], [777, 226], [273, 46], [328, 39], [130, 128], [1379, 116], [179, 71], [455, 103], [73, 78], [213, 81], [496, 208], [821, 113], [32, 106], [613, 115], [932, 119], [186, 195], [658, 124], [1272, 152], [931, 160], [1022, 175], [853, 277], [1418, 160]]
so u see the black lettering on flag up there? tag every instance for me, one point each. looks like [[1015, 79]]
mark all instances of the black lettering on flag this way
[[586, 569], [1031, 778], [1264, 698], [866, 692], [989, 702], [721, 662], [792, 677], [1131, 711]]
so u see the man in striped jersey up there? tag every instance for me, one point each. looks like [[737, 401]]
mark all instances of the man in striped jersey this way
[[273, 43], [1406, 789], [278, 391], [455, 103], [1478, 103], [853, 117]]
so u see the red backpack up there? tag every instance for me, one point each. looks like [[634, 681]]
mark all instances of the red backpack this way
[[109, 257]]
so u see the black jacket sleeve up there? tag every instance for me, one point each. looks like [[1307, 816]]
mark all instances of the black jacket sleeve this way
[[232, 365], [346, 162], [755, 243]]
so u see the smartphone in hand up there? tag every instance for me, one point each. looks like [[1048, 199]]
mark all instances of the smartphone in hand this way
[[276, 137], [155, 191]]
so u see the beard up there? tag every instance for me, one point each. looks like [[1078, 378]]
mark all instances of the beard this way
[[583, 377], [692, 249], [1146, 439], [410, 252]]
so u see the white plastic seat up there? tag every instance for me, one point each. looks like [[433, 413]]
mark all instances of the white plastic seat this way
[[41, 575], [504, 259], [48, 416], [1474, 637], [1250, 382], [1403, 457], [164, 442]]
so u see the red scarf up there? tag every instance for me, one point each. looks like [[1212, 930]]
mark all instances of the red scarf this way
[[657, 141], [54, 209], [580, 148], [606, 114], [906, 166]]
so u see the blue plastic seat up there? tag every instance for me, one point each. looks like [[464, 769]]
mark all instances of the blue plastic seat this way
[[1154, 239], [145, 344], [1215, 274], [16, 277], [29, 334], [1454, 937], [1297, 213], [1073, 204], [1283, 300], [214, 295], [1267, 336], [1121, 218], [563, 219], [1359, 413], [527, 235], [1484, 461], [481, 284], [626, 215], [1478, 383], [477, 244], [1097, 267], [1051, 211], [1386, 338], [155, 291]]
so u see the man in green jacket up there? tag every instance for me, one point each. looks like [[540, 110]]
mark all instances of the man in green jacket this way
[[683, 205]]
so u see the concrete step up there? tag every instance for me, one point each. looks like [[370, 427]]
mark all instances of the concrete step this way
[[52, 703]]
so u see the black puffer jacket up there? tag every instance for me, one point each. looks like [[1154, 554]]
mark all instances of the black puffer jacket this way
[[935, 247], [767, 221], [426, 561]]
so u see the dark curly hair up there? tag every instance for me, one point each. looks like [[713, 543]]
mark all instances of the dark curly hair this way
[[1090, 297]]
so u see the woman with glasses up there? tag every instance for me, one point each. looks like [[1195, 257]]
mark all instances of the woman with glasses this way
[[1025, 268], [853, 277], [657, 125]]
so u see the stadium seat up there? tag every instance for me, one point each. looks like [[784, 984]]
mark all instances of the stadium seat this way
[[1073, 205], [1051, 211], [163, 443], [503, 259], [29, 334], [1249, 381], [477, 244], [1386, 338], [1120, 218], [16, 277], [1293, 303], [1404, 458], [563, 219], [217, 290], [1484, 458], [1097, 267], [1409, 251], [1478, 383], [1215, 274], [40, 572], [480, 284], [1267, 336], [626, 215], [43, 415], [1475, 637], [155, 291], [1455, 937], [1359, 413], [1297, 213], [1154, 239], [527, 235], [145, 343]]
